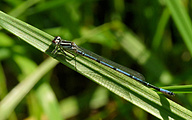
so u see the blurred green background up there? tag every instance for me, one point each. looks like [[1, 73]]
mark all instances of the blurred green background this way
[[99, 26]]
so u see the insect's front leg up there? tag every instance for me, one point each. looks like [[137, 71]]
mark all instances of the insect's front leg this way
[[63, 51], [55, 50]]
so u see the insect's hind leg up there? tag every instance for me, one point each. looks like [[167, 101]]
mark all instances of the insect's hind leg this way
[[73, 58]]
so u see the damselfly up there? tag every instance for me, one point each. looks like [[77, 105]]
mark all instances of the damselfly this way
[[64, 45]]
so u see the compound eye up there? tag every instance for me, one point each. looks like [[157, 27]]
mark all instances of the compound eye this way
[[56, 39]]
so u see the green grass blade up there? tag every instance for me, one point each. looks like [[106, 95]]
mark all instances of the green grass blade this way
[[182, 88], [26, 32], [182, 21], [123, 86], [48, 101], [3, 88], [160, 29], [23, 7], [8, 104]]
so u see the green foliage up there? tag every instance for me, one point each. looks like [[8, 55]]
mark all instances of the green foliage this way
[[156, 45]]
